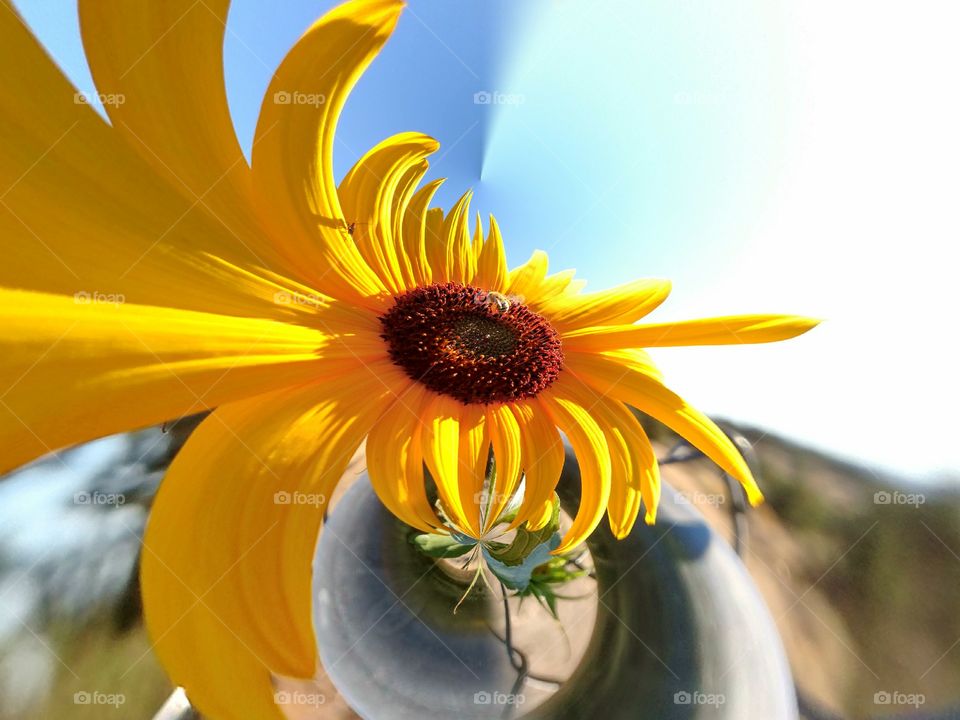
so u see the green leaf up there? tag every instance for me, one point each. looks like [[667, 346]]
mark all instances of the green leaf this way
[[545, 596], [526, 541], [441, 546], [548, 576], [517, 576]]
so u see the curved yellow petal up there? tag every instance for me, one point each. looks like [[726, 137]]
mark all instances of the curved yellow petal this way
[[623, 505], [395, 460], [628, 357], [367, 195], [646, 393], [593, 456], [507, 453], [159, 69], [558, 284], [474, 456], [525, 281], [73, 369], [249, 490], [476, 244], [532, 286], [635, 473], [293, 181], [447, 242], [492, 272], [542, 463], [733, 330], [622, 304], [415, 232], [435, 247], [459, 261], [542, 517], [406, 188], [81, 211], [453, 443], [645, 473]]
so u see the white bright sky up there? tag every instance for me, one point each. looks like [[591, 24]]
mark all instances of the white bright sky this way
[[768, 157], [863, 230]]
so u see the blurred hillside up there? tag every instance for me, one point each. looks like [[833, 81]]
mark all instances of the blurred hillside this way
[[860, 572]]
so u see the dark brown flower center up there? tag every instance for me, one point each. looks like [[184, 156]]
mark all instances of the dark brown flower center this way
[[475, 346]]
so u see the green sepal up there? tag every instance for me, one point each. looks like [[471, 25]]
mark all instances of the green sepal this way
[[441, 546]]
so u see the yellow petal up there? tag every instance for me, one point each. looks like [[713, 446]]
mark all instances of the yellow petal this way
[[531, 284], [436, 248], [543, 457], [228, 551], [492, 270], [635, 473], [623, 304], [558, 284], [733, 330], [525, 280], [624, 503], [477, 244], [474, 455], [395, 460], [593, 456], [645, 473], [628, 357], [159, 68], [73, 369], [505, 439], [402, 198], [80, 210], [294, 185], [459, 260], [415, 232], [451, 452], [649, 395], [367, 195], [542, 517]]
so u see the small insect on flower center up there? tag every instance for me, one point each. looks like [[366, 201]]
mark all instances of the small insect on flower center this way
[[475, 346]]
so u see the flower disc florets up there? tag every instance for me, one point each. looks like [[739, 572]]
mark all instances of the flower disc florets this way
[[473, 345]]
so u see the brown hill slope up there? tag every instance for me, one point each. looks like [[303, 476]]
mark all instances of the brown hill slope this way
[[861, 573]]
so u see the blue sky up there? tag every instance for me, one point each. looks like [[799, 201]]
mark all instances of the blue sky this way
[[765, 157]]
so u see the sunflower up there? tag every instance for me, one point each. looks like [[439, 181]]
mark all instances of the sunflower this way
[[150, 272]]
